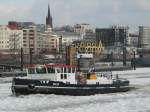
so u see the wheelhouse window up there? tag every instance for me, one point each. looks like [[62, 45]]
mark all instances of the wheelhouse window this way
[[31, 71], [51, 70], [61, 76], [66, 70], [59, 70], [41, 70], [65, 76], [73, 70], [69, 70]]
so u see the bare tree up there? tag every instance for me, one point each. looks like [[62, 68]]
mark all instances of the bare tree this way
[[14, 45]]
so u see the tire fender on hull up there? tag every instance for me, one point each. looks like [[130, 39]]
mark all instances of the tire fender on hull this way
[[31, 87]]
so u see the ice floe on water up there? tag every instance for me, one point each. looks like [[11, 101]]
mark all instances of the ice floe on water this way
[[137, 100]]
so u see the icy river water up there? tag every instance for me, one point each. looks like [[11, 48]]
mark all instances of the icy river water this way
[[137, 100]]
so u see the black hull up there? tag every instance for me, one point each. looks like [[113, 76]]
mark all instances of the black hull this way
[[24, 86]]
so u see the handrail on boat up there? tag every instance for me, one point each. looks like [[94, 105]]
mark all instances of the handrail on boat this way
[[49, 65]]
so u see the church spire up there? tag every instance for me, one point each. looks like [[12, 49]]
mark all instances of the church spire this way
[[49, 20], [49, 15]]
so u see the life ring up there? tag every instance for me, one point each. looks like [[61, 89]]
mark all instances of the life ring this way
[[31, 86]]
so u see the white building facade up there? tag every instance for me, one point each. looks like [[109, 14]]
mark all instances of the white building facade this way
[[66, 38], [30, 35], [48, 42], [39, 41], [10, 40], [132, 40], [144, 37]]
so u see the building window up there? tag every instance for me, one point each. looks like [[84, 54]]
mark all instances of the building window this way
[[88, 44], [24, 37], [31, 45], [94, 49], [31, 34], [24, 30], [31, 30], [31, 38]]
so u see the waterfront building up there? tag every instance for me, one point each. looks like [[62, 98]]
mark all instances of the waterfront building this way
[[67, 38], [85, 31], [19, 25], [133, 40], [40, 41], [144, 37], [114, 36], [29, 40], [88, 47], [42, 27], [83, 47], [48, 42], [89, 35], [10, 40], [64, 28], [81, 28], [71, 57]]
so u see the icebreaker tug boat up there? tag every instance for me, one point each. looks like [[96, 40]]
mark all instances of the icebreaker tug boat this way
[[65, 80]]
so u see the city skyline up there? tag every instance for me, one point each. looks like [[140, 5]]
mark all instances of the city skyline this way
[[99, 13]]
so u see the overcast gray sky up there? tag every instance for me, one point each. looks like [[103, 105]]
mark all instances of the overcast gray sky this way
[[99, 13]]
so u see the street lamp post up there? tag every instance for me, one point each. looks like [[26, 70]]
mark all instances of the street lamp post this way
[[78, 60], [30, 55], [134, 65], [112, 63], [124, 55], [21, 59]]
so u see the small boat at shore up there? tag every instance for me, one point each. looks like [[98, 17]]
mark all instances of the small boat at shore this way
[[65, 80]]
